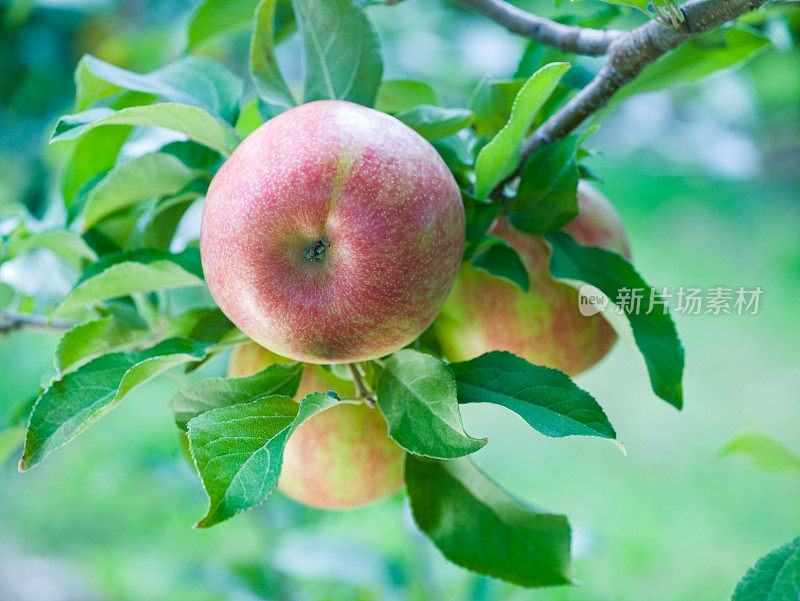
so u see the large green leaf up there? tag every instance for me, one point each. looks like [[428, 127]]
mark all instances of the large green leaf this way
[[92, 154], [281, 379], [166, 216], [696, 59], [774, 577], [652, 333], [136, 271], [397, 95], [498, 159], [491, 101], [547, 196], [198, 124], [766, 452], [64, 243], [341, 51], [434, 122], [479, 526], [193, 80], [546, 398], [271, 87], [78, 399], [498, 258], [238, 450], [137, 179], [213, 18], [417, 396], [96, 337]]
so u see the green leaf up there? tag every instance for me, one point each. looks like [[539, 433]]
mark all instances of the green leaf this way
[[92, 154], [189, 259], [498, 159], [417, 396], [238, 450], [544, 397], [192, 80], [547, 197], [196, 123], [696, 59], [434, 122], [498, 258], [774, 577], [78, 399], [767, 453], [212, 18], [161, 227], [479, 526], [491, 101], [271, 86], [65, 244], [397, 95], [97, 337], [137, 179], [457, 152], [281, 379], [341, 51], [479, 215], [206, 324], [137, 271], [653, 334]]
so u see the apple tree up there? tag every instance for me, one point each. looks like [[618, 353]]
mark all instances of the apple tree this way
[[467, 295]]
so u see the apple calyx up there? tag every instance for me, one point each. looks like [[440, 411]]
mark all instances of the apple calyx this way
[[316, 251]]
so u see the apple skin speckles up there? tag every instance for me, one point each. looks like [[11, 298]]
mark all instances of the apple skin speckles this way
[[374, 191]]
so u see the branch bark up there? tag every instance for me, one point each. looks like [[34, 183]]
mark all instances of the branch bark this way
[[361, 389], [10, 321], [570, 38], [626, 58]]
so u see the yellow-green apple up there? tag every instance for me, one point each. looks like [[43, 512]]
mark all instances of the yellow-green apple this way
[[332, 234], [543, 325], [340, 458]]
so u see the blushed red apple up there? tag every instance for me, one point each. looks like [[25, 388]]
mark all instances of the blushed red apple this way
[[340, 458], [543, 325], [332, 234]]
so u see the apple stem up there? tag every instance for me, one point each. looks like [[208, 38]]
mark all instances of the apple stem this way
[[361, 388]]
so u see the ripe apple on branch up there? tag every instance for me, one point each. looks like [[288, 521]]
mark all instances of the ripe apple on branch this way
[[376, 261]]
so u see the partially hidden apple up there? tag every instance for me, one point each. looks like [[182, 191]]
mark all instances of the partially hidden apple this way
[[543, 325], [332, 234], [340, 458]]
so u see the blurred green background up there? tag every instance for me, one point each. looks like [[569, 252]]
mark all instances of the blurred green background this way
[[706, 178]]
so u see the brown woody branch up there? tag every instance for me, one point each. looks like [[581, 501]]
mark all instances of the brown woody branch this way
[[10, 321], [626, 58], [581, 40]]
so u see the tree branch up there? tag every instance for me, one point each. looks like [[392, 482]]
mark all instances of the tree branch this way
[[570, 38], [10, 321], [627, 56], [361, 388]]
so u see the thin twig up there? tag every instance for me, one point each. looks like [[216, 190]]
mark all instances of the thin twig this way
[[361, 388], [10, 321], [627, 56], [570, 38]]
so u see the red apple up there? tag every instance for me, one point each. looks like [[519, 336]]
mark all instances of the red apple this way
[[543, 325], [340, 458], [332, 234]]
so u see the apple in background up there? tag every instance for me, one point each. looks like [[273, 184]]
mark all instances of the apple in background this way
[[333, 234], [543, 325], [340, 458]]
